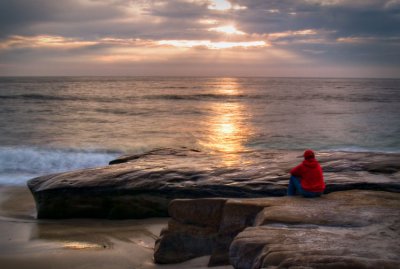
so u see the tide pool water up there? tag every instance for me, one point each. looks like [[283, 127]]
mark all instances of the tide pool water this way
[[55, 124]]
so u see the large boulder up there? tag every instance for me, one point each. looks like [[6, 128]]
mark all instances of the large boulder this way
[[349, 229], [142, 185]]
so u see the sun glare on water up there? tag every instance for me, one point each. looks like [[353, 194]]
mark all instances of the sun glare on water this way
[[227, 128]]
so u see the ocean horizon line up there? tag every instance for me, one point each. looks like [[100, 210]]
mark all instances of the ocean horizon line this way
[[196, 76]]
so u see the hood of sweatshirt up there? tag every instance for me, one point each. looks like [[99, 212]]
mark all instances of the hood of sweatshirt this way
[[310, 163]]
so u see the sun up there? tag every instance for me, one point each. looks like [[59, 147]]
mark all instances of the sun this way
[[227, 29]]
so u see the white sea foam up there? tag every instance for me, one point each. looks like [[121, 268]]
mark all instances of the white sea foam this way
[[18, 164]]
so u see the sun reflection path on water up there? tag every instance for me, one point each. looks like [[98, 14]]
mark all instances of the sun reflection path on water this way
[[228, 128]]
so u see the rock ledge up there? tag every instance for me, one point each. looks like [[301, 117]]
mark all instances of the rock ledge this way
[[349, 229], [141, 186]]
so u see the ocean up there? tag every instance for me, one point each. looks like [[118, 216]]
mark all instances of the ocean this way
[[56, 124]]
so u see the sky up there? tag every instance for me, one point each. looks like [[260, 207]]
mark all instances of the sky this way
[[283, 38]]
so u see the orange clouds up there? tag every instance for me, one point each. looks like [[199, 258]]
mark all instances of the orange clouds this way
[[43, 41], [212, 45], [227, 29], [59, 42]]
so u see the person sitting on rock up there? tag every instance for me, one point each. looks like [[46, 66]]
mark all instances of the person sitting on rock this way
[[307, 179]]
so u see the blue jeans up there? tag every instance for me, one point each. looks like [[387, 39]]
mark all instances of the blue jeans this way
[[295, 188]]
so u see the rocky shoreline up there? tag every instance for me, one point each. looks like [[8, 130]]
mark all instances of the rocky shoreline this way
[[142, 186], [235, 214], [350, 229]]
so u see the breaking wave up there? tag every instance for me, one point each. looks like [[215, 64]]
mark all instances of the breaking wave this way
[[18, 164]]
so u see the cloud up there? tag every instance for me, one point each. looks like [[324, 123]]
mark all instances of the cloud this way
[[24, 16], [224, 5], [212, 45], [61, 43], [286, 34], [43, 41], [282, 32], [227, 29], [174, 18], [368, 40]]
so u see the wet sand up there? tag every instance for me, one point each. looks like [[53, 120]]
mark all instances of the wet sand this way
[[26, 242]]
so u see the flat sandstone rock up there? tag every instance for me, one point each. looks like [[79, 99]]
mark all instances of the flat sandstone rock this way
[[141, 186], [349, 229]]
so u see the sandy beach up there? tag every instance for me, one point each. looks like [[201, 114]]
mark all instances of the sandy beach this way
[[26, 242]]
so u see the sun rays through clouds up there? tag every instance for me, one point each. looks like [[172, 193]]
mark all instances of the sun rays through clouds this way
[[274, 38]]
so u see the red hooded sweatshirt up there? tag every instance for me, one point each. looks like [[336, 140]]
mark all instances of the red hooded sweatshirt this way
[[310, 173]]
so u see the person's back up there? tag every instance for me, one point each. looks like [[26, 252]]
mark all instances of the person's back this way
[[307, 178]]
